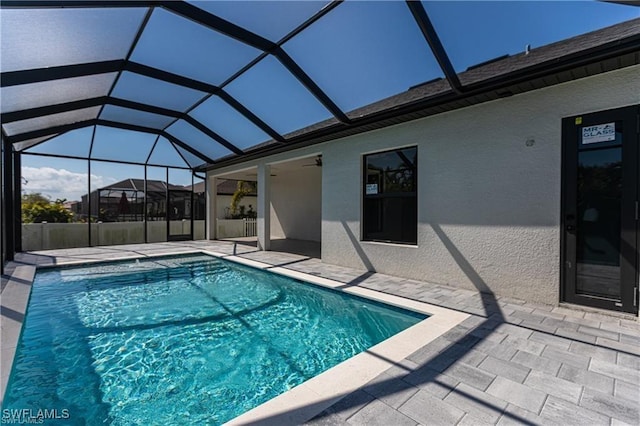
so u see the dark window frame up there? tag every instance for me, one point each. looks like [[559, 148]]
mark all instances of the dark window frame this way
[[391, 214]]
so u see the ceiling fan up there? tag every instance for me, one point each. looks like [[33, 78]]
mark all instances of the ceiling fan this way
[[317, 162]]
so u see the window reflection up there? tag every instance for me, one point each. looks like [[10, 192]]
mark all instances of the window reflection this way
[[599, 213], [390, 200]]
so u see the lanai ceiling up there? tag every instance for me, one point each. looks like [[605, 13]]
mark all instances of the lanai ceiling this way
[[209, 81]]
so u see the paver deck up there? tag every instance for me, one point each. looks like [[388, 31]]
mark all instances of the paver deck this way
[[510, 362]]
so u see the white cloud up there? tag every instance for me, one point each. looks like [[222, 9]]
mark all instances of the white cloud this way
[[59, 183]]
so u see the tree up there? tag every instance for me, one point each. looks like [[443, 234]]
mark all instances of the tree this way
[[35, 198], [244, 188], [36, 208]]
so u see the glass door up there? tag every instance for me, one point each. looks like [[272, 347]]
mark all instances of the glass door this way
[[600, 209]]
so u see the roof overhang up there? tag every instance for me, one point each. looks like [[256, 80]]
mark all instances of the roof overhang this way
[[553, 68], [578, 57]]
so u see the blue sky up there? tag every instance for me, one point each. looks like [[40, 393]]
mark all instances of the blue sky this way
[[359, 53]]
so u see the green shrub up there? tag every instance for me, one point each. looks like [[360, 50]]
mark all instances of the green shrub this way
[[37, 208]]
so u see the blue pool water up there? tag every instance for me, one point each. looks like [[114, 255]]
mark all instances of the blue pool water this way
[[181, 340]]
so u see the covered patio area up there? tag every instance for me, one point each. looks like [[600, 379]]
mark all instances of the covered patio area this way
[[289, 203], [311, 249]]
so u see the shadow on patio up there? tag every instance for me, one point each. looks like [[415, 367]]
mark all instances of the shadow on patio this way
[[498, 367], [310, 249]]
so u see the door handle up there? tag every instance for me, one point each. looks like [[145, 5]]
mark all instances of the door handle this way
[[570, 227]]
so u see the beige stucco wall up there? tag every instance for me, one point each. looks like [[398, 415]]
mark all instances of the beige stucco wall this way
[[46, 236], [296, 200], [488, 204]]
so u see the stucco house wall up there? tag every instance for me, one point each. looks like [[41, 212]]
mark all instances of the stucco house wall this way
[[488, 204], [488, 189], [296, 200]]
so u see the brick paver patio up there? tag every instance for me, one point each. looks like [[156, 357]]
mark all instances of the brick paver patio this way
[[511, 362]]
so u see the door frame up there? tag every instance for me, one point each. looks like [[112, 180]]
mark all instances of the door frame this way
[[179, 237], [629, 233]]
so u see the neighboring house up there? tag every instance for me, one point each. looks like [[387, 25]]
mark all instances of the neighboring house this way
[[74, 207], [124, 201], [482, 187], [226, 189], [107, 203]]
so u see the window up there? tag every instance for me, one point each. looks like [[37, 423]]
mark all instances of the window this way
[[390, 209]]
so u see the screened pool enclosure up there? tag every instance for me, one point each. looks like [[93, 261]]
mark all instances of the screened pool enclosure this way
[[168, 90]]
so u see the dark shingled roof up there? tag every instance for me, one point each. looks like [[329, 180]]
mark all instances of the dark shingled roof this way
[[138, 185], [604, 50], [225, 187]]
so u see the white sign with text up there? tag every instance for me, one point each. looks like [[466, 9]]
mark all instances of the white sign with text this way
[[599, 133], [372, 189]]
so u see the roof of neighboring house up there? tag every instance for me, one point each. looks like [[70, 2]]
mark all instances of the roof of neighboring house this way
[[70, 204], [138, 185], [229, 186], [225, 187], [198, 188]]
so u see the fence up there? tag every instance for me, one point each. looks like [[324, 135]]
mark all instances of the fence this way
[[250, 227], [234, 228], [46, 236]]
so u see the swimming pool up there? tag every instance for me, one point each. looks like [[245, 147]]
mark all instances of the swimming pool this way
[[191, 339]]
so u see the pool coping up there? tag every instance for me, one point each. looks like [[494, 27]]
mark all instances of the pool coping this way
[[13, 306], [302, 402], [313, 396]]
